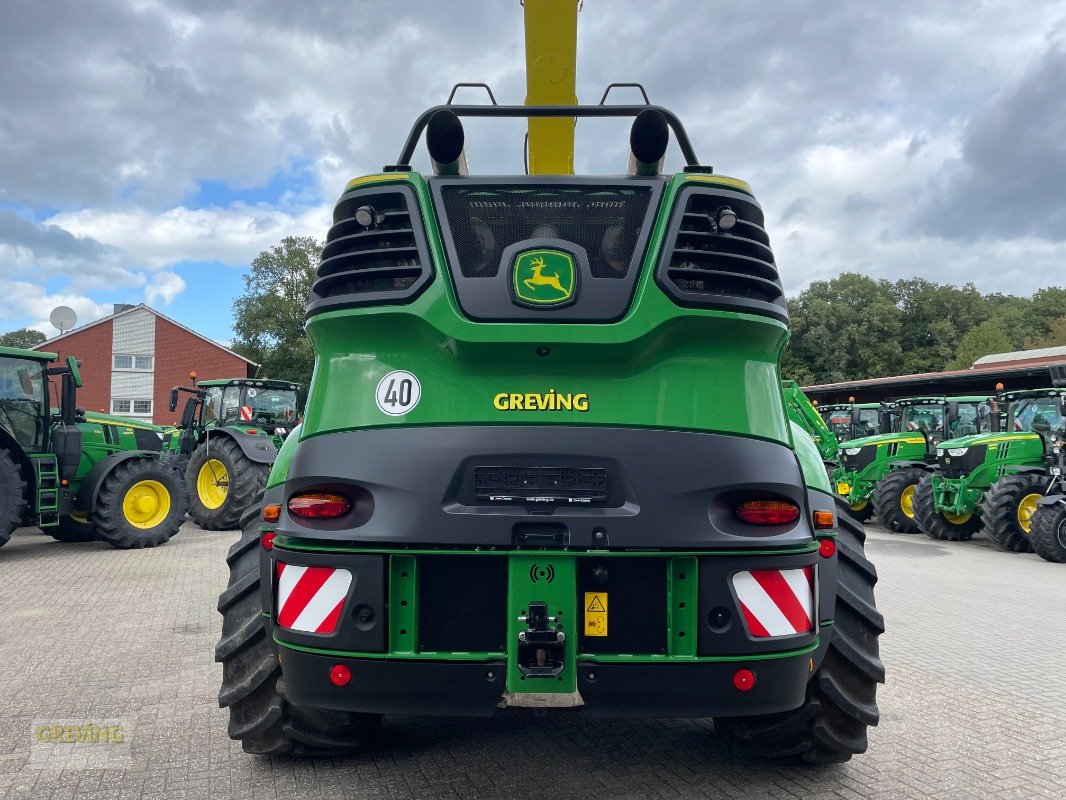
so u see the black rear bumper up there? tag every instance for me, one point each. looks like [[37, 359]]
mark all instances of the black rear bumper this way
[[438, 688], [663, 489]]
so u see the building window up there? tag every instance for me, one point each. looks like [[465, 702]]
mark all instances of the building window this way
[[132, 362], [138, 408]]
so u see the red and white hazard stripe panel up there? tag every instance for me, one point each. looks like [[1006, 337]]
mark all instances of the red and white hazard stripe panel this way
[[776, 602], [246, 413], [310, 599]]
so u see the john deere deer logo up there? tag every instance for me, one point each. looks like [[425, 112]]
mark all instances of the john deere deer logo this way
[[543, 277]]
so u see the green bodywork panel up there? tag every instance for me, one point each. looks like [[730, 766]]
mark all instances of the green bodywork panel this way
[[104, 434], [280, 468], [811, 462], [660, 366]]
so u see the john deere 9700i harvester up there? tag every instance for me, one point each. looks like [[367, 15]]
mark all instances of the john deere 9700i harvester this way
[[545, 464]]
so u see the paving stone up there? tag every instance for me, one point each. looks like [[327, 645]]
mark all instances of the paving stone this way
[[974, 707]]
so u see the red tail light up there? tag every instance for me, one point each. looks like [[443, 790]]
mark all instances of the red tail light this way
[[319, 505], [768, 512]]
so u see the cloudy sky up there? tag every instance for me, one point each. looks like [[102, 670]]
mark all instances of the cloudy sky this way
[[149, 150]]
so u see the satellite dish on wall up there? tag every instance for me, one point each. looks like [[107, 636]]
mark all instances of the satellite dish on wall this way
[[63, 317]]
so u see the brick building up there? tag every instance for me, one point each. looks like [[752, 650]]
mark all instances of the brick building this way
[[131, 359]]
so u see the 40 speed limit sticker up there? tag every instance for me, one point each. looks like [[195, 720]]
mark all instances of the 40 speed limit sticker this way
[[398, 393]]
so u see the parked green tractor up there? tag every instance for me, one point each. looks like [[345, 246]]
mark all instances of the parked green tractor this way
[[228, 438], [78, 476], [546, 463], [854, 420], [994, 479], [804, 413], [879, 473], [1048, 535]]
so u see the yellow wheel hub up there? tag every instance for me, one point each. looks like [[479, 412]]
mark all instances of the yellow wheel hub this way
[[860, 506], [1026, 508], [906, 501], [212, 483], [146, 504], [958, 519]]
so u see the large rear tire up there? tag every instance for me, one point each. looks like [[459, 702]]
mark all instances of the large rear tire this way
[[894, 499], [1008, 508], [222, 483], [12, 496], [1049, 533], [936, 525], [841, 701], [142, 503], [253, 688]]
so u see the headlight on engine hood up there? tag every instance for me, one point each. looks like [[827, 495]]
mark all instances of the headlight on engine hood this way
[[957, 451], [852, 451]]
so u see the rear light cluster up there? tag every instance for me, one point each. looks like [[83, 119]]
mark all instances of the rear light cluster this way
[[768, 512], [319, 505]]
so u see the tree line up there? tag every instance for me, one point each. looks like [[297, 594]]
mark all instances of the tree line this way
[[854, 327]]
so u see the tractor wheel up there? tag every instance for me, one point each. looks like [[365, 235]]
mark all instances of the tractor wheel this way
[[937, 525], [12, 496], [73, 528], [1049, 532], [1008, 508], [222, 483], [253, 687], [862, 511], [841, 700], [142, 503], [894, 499]]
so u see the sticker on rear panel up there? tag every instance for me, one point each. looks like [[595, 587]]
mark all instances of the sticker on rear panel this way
[[398, 393], [595, 613]]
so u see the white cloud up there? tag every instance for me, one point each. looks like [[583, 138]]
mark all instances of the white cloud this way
[[26, 301], [163, 286]]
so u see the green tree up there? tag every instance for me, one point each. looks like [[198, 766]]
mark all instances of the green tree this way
[[1055, 336], [23, 337], [268, 318], [981, 340]]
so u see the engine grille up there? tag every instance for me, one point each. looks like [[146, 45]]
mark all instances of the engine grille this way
[[731, 270], [958, 466], [387, 263], [861, 459], [484, 219]]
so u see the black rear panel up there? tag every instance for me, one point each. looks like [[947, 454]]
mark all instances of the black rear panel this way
[[384, 263], [705, 267], [459, 602], [603, 224]]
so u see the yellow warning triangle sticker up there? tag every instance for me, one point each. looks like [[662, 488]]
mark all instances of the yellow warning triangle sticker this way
[[595, 604]]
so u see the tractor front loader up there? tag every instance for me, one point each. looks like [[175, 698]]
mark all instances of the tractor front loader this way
[[78, 476], [226, 442]]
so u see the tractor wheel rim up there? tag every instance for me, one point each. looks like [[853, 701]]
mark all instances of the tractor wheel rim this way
[[906, 501], [1060, 534], [212, 483], [860, 506], [146, 504], [958, 519], [80, 516], [1026, 508]]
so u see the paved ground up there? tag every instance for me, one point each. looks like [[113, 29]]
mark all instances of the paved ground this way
[[975, 705]]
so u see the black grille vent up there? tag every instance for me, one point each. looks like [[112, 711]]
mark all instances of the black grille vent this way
[[484, 219], [386, 263], [732, 270], [960, 466]]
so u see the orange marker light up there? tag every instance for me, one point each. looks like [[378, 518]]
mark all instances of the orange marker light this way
[[823, 520], [271, 513]]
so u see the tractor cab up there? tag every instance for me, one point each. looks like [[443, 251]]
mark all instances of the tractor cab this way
[[856, 420], [24, 406], [266, 404]]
